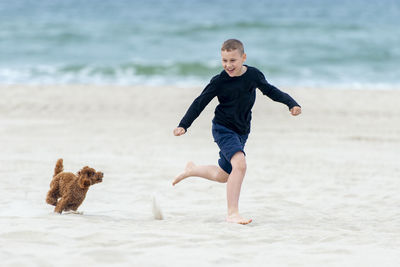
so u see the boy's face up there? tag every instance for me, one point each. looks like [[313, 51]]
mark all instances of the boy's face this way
[[232, 61]]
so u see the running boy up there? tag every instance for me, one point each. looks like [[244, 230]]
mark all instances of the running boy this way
[[235, 89]]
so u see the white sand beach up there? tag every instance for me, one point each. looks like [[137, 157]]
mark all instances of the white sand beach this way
[[322, 188]]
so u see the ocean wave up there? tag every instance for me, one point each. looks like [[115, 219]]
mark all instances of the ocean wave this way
[[126, 73], [186, 74], [293, 27]]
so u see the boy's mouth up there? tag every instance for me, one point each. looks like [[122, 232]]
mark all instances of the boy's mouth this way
[[230, 71]]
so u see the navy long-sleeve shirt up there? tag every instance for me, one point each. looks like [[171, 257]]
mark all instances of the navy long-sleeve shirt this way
[[236, 96]]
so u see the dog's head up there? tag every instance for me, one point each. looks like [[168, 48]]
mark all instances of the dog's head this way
[[86, 175]]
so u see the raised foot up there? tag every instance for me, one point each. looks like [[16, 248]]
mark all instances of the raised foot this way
[[236, 218], [185, 174]]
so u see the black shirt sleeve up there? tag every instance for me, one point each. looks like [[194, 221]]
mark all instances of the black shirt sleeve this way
[[273, 92], [199, 104]]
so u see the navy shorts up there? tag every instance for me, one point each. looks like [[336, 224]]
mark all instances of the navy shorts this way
[[229, 142]]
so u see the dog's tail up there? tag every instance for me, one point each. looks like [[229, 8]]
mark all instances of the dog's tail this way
[[59, 167]]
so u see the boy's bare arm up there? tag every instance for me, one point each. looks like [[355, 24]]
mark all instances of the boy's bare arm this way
[[178, 131], [296, 110]]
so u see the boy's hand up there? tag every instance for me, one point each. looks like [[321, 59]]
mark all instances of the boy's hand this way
[[296, 110], [178, 131]]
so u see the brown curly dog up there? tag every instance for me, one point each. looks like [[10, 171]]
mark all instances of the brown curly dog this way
[[67, 190]]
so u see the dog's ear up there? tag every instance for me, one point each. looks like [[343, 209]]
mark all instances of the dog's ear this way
[[82, 171], [84, 182]]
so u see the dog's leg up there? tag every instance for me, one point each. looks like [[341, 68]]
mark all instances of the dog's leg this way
[[61, 205], [75, 206], [53, 194], [70, 207]]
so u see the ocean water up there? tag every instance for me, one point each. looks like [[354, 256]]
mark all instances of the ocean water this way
[[294, 42]]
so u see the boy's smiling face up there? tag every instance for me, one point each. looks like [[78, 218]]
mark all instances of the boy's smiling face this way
[[232, 61]]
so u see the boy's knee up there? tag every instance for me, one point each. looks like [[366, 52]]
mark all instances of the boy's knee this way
[[238, 162], [223, 179], [221, 176], [241, 167]]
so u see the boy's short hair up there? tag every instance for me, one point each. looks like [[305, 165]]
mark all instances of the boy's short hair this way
[[233, 44]]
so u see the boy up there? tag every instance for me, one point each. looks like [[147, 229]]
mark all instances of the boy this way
[[235, 89]]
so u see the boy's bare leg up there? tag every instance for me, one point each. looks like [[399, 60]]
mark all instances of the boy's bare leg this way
[[210, 172], [234, 185]]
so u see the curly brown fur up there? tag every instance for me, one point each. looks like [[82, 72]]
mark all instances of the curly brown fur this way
[[67, 190]]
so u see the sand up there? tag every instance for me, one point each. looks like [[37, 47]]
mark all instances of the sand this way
[[322, 188]]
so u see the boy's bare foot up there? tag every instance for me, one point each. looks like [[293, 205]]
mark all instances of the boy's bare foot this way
[[185, 174], [236, 218]]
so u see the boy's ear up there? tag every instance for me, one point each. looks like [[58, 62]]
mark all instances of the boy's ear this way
[[244, 57]]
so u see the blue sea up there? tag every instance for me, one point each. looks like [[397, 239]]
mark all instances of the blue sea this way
[[349, 43]]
